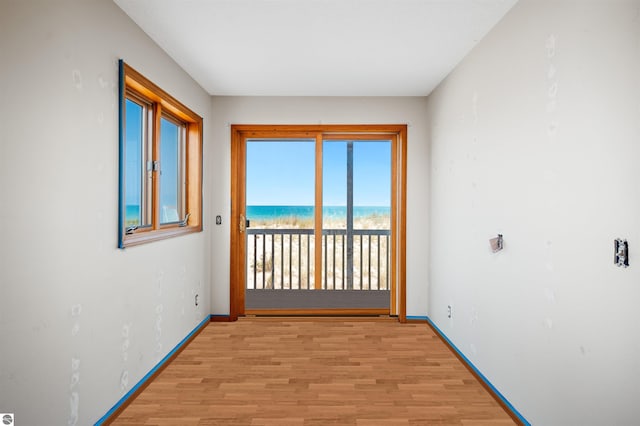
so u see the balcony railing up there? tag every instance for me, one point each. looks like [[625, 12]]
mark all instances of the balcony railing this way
[[284, 259]]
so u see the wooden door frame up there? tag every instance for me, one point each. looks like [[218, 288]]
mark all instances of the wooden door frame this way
[[239, 135]]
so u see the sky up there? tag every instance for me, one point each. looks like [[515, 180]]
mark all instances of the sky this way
[[169, 170], [283, 173], [133, 154], [169, 155]]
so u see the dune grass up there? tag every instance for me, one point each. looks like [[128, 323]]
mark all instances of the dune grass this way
[[374, 221]]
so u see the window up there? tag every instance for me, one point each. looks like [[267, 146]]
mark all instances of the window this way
[[160, 163]]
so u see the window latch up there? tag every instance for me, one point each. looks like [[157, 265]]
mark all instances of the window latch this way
[[183, 223], [131, 229], [155, 166]]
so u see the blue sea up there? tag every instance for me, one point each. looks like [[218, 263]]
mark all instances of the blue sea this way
[[302, 212], [306, 212], [132, 214]]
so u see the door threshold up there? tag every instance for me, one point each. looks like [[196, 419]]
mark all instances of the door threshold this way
[[317, 312], [251, 317]]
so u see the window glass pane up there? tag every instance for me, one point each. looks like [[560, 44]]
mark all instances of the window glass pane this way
[[372, 185], [334, 184], [170, 206], [280, 183], [134, 163]]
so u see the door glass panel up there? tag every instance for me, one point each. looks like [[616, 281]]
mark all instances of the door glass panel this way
[[280, 198], [356, 215], [280, 233], [372, 214], [334, 214]]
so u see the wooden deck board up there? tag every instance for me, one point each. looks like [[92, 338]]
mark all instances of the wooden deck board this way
[[303, 371]]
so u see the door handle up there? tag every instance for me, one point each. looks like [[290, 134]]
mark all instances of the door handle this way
[[242, 226]]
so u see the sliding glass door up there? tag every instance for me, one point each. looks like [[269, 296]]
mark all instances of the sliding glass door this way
[[315, 222]]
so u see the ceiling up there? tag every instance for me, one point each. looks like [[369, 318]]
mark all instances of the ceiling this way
[[317, 47]]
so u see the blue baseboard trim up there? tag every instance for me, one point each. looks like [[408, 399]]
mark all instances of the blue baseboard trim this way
[[158, 366], [482, 376], [417, 318]]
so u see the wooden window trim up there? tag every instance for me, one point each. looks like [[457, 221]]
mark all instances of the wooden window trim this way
[[134, 84]]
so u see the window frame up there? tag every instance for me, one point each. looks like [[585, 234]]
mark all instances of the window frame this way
[[158, 104]]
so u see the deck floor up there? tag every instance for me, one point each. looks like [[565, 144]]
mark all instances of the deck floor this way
[[315, 371], [317, 299]]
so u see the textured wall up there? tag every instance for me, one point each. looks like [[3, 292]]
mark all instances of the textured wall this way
[[536, 135], [81, 321]]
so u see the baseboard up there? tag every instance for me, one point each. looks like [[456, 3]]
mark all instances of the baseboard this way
[[411, 319], [495, 393], [221, 318], [111, 415]]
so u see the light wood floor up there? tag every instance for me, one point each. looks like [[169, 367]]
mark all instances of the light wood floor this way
[[316, 371]]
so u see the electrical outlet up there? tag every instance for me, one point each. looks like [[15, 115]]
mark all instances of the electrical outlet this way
[[196, 300], [621, 253], [448, 311]]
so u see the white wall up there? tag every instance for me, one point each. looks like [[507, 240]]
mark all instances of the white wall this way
[[326, 110], [536, 135], [78, 317]]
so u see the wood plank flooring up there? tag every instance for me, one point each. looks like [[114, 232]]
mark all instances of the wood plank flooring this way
[[314, 371]]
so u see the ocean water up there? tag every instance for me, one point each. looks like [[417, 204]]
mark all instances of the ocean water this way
[[303, 212], [132, 213], [306, 212]]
